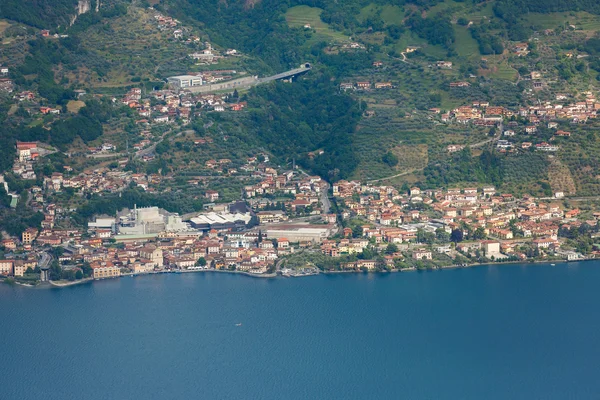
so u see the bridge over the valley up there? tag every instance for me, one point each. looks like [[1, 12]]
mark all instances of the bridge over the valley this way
[[248, 82], [304, 68]]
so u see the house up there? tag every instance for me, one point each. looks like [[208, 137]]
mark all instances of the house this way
[[24, 150], [546, 147], [522, 49], [383, 85], [562, 134], [531, 129], [363, 85], [19, 268], [503, 144], [369, 265], [377, 64], [161, 119], [491, 247], [459, 84], [346, 86], [6, 267], [28, 235], [452, 148], [422, 254], [444, 64], [212, 195], [415, 191], [545, 243], [552, 125], [443, 248]]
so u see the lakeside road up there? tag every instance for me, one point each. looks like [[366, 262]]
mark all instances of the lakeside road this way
[[277, 274]]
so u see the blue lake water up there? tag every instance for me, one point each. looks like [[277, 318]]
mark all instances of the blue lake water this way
[[497, 332]]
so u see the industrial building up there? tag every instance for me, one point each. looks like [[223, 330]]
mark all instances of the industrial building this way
[[300, 232], [184, 81], [140, 221], [221, 221]]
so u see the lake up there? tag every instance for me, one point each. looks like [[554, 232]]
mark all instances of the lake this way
[[490, 332]]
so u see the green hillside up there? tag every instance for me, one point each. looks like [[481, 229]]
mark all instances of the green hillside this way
[[388, 134]]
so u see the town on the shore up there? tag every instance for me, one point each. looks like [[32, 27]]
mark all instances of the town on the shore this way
[[290, 223], [285, 221]]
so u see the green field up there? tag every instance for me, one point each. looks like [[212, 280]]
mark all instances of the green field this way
[[447, 7], [299, 16], [505, 71], [581, 20], [391, 15], [466, 46], [480, 12]]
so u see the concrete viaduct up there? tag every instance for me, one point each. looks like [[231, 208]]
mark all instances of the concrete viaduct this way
[[248, 82]]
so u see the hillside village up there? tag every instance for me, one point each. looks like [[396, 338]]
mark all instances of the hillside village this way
[[287, 213], [252, 211]]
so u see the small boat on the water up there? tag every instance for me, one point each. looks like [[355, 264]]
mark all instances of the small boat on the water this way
[[240, 324], [553, 265]]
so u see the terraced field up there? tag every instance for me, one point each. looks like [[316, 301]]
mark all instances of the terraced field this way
[[299, 16]]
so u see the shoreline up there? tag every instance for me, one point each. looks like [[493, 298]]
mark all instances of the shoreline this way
[[60, 284]]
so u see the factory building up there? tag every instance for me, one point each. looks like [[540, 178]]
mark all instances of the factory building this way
[[184, 81]]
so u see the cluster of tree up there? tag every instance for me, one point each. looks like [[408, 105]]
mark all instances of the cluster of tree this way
[[488, 43], [15, 221], [260, 29], [39, 13], [57, 272], [309, 116], [513, 9], [390, 159], [43, 56], [580, 237], [437, 29], [111, 203], [463, 167], [86, 20]]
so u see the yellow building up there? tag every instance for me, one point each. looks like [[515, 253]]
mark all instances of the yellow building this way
[[6, 267], [105, 271], [28, 236], [19, 268]]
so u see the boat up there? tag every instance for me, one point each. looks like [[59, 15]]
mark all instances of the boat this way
[[239, 324], [553, 265]]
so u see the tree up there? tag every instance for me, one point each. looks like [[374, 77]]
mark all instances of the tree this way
[[442, 235], [390, 159], [391, 249], [79, 274], [57, 251], [456, 236], [479, 233], [201, 262], [87, 270], [55, 272], [68, 274]]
